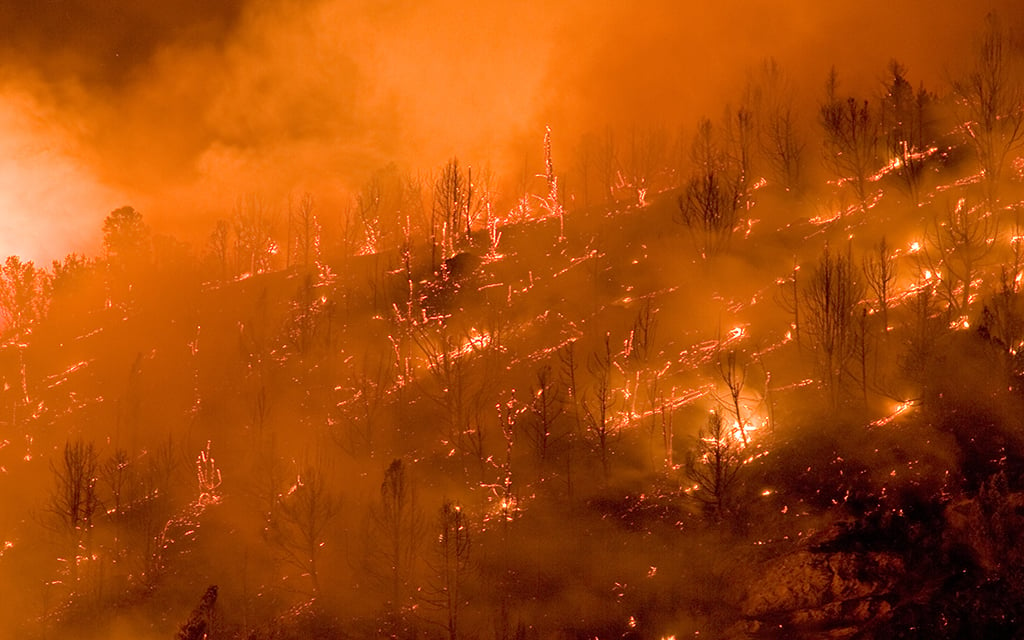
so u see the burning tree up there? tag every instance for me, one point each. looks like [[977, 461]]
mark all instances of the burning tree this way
[[453, 210], [734, 374], [254, 245], [906, 130], [957, 247], [552, 201], [713, 466], [382, 203], [310, 311], [639, 348]]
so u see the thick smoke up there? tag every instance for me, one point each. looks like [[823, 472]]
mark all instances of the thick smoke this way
[[179, 109]]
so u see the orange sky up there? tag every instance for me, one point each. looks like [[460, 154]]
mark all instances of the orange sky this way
[[181, 107]]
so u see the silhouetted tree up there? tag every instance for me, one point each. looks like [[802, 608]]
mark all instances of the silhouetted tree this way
[[606, 161], [780, 140], [254, 245], [788, 297], [199, 625], [125, 237], [923, 329], [24, 297], [1002, 321], [397, 529], [303, 233], [310, 310], [219, 248], [906, 129], [990, 103], [830, 297], [644, 160], [713, 465], [711, 198], [303, 518], [957, 246], [851, 137], [734, 374], [879, 268], [74, 499], [450, 566], [599, 401], [370, 384], [459, 379], [568, 374], [453, 209], [128, 253], [545, 409], [740, 137]]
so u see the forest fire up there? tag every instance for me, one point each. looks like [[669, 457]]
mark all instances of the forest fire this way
[[498, 330]]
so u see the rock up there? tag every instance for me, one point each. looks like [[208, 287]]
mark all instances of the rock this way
[[808, 580], [834, 592]]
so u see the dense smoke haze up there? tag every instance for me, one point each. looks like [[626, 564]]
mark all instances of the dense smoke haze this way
[[436, 320], [182, 108]]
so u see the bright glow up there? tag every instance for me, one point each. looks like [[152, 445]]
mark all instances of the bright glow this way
[[44, 193], [897, 411]]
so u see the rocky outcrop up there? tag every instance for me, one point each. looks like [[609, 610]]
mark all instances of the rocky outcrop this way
[[830, 594]]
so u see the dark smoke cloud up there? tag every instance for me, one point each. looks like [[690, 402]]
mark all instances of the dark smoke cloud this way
[[104, 43], [181, 107]]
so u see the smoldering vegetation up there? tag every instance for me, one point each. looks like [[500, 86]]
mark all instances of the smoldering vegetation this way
[[759, 378]]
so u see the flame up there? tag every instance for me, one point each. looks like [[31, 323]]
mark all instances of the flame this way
[[735, 334], [475, 341], [899, 410]]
